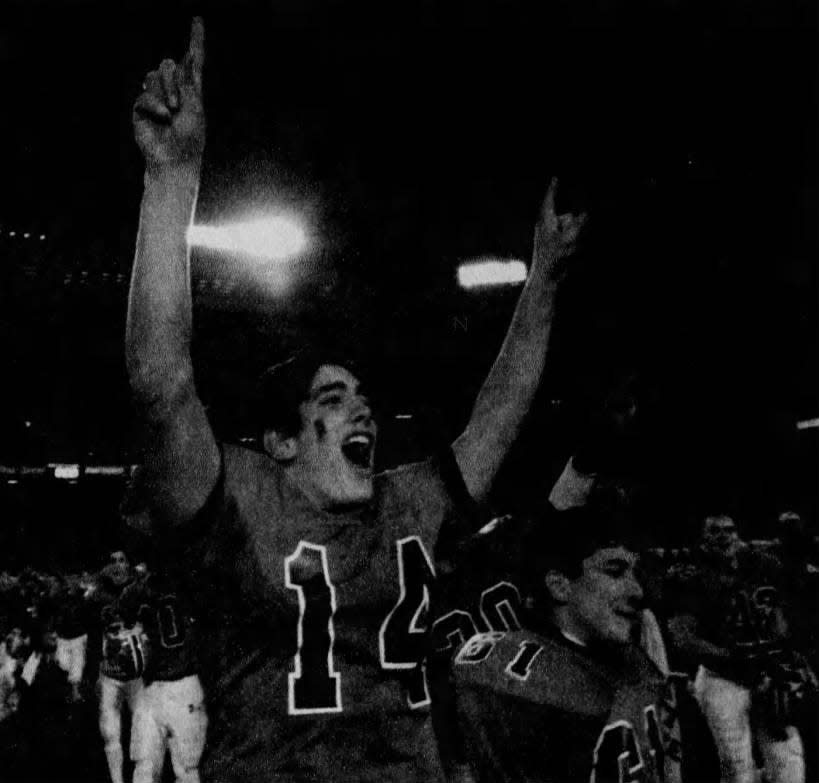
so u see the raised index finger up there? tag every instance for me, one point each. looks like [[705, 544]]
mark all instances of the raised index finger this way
[[195, 56], [547, 210]]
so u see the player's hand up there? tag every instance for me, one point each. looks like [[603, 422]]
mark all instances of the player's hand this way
[[169, 116], [555, 236], [610, 443]]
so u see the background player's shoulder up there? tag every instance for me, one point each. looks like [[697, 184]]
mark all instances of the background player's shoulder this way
[[479, 647], [535, 668], [504, 655]]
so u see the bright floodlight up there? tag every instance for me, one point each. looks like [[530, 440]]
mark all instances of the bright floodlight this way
[[491, 272], [274, 239], [807, 424], [66, 471]]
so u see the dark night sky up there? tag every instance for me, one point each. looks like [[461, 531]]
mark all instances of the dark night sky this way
[[416, 134]]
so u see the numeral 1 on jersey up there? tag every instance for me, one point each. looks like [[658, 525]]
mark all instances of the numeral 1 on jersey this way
[[314, 686], [521, 665]]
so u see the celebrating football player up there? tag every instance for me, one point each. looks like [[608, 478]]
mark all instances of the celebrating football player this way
[[319, 569], [571, 696], [729, 619]]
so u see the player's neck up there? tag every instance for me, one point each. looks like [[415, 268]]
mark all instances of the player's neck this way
[[302, 479]]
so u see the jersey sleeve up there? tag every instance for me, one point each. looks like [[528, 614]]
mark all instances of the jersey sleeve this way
[[427, 495], [215, 550], [210, 519], [219, 528]]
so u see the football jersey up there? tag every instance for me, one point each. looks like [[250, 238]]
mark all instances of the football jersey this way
[[536, 707], [123, 645], [482, 590], [125, 652], [477, 591], [317, 624], [162, 607], [739, 609]]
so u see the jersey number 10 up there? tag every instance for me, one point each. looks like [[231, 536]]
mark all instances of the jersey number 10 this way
[[315, 686]]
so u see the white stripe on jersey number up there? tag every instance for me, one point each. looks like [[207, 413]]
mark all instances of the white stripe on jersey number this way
[[314, 686]]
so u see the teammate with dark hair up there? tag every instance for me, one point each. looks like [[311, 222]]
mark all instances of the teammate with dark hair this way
[[571, 696], [317, 571]]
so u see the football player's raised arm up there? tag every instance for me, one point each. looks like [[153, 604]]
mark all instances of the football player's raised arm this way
[[182, 459], [510, 387], [605, 447]]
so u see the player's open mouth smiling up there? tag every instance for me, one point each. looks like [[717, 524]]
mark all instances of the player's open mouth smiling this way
[[358, 449]]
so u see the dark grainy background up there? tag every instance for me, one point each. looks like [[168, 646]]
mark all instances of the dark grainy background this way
[[416, 134]]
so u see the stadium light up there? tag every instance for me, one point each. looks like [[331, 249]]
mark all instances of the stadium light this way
[[67, 472], [491, 272], [807, 424], [104, 470], [274, 238]]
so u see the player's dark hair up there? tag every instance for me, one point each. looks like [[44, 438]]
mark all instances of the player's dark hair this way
[[284, 386], [564, 539]]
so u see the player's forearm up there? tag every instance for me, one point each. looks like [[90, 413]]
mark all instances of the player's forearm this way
[[509, 389], [158, 331]]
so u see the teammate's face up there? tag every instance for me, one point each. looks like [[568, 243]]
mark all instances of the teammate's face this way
[[605, 601], [720, 536], [334, 450], [120, 568]]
